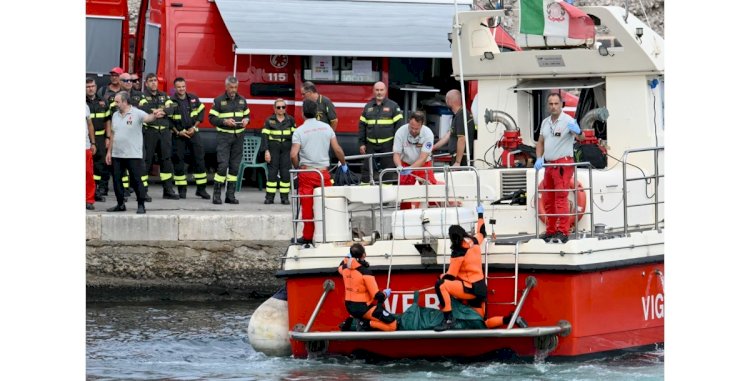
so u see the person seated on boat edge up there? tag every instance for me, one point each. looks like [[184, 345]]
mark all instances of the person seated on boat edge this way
[[465, 277], [363, 299]]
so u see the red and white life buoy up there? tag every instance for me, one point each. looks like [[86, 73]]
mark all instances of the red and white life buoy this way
[[580, 195]]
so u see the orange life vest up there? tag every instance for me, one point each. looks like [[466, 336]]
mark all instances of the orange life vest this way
[[359, 283]]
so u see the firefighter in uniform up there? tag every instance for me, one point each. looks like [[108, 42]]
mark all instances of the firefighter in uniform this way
[[326, 110], [362, 298], [100, 117], [276, 144], [185, 120], [378, 123], [230, 116], [157, 135]]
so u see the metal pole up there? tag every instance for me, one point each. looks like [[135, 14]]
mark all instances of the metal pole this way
[[530, 283], [656, 189], [457, 36], [328, 285], [625, 191], [372, 180]]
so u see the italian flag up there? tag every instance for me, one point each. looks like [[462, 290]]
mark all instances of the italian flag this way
[[555, 18]]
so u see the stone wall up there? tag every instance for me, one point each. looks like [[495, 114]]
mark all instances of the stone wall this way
[[182, 270]]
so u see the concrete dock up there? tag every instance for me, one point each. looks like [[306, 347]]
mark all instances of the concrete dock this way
[[187, 249]]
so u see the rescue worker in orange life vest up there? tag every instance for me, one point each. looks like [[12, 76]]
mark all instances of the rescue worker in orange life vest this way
[[464, 278], [363, 300]]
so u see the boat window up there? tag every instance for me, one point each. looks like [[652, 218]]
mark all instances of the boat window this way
[[580, 95]]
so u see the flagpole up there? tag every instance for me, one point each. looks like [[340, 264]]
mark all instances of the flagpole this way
[[457, 33]]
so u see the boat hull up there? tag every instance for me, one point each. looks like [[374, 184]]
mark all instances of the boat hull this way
[[617, 308]]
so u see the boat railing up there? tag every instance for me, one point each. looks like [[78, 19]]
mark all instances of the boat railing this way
[[447, 171], [573, 213], [658, 174], [296, 206], [369, 158]]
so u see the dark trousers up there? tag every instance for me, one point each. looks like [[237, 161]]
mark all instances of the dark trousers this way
[[182, 145], [379, 163], [136, 168], [101, 169], [229, 155], [158, 141], [279, 167]]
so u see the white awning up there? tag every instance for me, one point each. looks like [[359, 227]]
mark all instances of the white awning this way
[[356, 28]]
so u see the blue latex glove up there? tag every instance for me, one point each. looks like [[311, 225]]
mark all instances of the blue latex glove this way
[[480, 209], [387, 293], [344, 168], [573, 127], [405, 171], [539, 163]]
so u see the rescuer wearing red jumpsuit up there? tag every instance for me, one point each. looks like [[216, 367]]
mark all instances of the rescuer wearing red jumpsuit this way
[[556, 138], [363, 300]]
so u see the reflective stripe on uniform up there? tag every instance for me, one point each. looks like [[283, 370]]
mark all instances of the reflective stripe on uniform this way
[[271, 186], [287, 132], [180, 180], [165, 176], [200, 178], [219, 178], [195, 112], [381, 121], [144, 180], [100, 132], [231, 178], [284, 187], [230, 131], [230, 114], [379, 141]]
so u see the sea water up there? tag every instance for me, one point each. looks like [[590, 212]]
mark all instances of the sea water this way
[[208, 341]]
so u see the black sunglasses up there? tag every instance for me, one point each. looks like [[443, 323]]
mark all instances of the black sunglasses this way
[[280, 107], [128, 80]]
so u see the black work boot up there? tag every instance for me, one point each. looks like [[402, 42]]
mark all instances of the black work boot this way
[[229, 199], [285, 199], [169, 191], [217, 193], [99, 193], [141, 208], [269, 198], [182, 190], [146, 197], [201, 192], [103, 188], [448, 322]]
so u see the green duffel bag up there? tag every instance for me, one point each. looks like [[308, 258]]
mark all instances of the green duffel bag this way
[[422, 318]]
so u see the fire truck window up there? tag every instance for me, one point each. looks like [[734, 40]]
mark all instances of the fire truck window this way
[[103, 44], [346, 70], [152, 48]]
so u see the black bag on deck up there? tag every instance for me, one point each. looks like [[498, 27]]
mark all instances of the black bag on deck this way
[[591, 153], [344, 179]]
